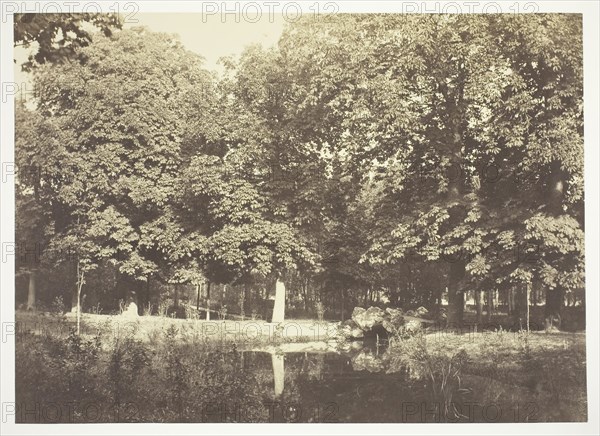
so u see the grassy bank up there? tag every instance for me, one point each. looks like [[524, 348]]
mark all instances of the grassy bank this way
[[149, 329], [156, 369], [535, 376]]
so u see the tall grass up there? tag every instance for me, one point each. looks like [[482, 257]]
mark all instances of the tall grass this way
[[126, 380]]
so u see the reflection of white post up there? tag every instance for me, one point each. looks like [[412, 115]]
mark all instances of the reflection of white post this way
[[31, 293], [278, 372], [279, 306], [528, 292]]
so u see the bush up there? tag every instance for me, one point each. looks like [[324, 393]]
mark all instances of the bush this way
[[439, 366], [58, 305], [177, 312], [320, 308], [175, 381], [163, 307], [127, 359]]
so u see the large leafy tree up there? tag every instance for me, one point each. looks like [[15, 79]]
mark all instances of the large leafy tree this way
[[57, 37], [31, 220], [454, 122], [365, 152], [289, 131], [454, 81], [235, 237], [125, 108], [539, 127], [497, 126]]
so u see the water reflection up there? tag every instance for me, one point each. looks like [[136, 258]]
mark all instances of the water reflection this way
[[300, 382], [277, 361], [363, 383]]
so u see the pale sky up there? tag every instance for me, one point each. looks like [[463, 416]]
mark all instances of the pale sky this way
[[208, 36]]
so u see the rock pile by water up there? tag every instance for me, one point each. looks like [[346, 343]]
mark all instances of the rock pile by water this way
[[376, 321]]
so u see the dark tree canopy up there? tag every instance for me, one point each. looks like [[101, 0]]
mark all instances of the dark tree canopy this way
[[397, 155], [58, 36]]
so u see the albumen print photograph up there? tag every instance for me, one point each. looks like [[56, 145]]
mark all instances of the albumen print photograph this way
[[304, 216]]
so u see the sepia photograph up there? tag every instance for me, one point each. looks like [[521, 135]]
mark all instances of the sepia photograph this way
[[285, 213]]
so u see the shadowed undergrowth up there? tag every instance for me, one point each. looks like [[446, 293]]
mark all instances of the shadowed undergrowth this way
[[172, 374]]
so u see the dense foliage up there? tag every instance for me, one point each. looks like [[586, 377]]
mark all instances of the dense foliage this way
[[366, 159]]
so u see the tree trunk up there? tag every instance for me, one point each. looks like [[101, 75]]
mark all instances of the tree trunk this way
[[555, 297], [456, 298], [432, 299], [243, 301], [456, 108], [131, 292], [208, 301], [147, 295], [74, 300], [479, 305], [304, 286], [31, 291], [553, 309], [79, 307], [132, 298], [490, 304], [520, 304], [80, 277], [527, 297], [279, 306], [197, 296]]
